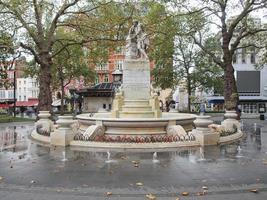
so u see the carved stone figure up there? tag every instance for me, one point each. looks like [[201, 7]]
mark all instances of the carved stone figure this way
[[136, 42]]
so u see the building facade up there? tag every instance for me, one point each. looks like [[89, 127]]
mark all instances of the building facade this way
[[26, 91]]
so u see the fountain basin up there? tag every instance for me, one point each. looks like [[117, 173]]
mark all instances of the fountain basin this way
[[136, 126]]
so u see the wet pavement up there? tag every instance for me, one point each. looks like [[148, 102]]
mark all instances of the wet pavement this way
[[33, 171]]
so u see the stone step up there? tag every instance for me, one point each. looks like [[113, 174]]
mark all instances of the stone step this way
[[136, 102], [136, 108], [136, 114]]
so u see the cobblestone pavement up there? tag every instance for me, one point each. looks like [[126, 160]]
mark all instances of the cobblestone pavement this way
[[29, 170]]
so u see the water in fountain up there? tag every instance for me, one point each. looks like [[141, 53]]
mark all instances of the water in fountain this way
[[155, 158], [255, 126], [108, 158], [64, 159], [239, 154], [201, 154]]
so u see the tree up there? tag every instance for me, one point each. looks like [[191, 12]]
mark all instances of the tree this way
[[36, 22], [162, 30], [193, 68], [8, 56], [234, 30], [69, 64]]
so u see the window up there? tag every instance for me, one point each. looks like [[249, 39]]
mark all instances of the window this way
[[19, 98], [24, 98], [106, 79], [2, 94], [96, 80], [104, 106], [243, 56], [249, 108], [10, 94], [24, 89], [119, 64], [24, 82], [101, 66]]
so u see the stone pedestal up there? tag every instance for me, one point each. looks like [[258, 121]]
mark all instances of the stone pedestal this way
[[203, 133], [135, 101], [44, 126], [136, 79], [230, 123], [64, 134]]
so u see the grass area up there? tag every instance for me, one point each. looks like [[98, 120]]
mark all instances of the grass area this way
[[8, 118]]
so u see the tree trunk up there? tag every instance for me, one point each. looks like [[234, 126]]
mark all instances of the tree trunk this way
[[189, 91], [231, 97], [45, 94], [62, 98]]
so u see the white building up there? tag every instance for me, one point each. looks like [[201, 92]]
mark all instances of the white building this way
[[27, 88], [251, 83]]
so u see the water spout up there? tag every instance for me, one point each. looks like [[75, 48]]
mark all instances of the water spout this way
[[155, 158], [64, 159], [108, 158]]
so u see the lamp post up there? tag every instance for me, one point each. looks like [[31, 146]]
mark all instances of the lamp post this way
[[14, 92]]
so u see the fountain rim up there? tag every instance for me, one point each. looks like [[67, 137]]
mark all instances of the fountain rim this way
[[175, 116]]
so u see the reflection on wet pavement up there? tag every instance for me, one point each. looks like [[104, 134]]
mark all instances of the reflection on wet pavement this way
[[14, 138]]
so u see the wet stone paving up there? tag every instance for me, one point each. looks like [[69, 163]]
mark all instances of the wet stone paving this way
[[30, 170]]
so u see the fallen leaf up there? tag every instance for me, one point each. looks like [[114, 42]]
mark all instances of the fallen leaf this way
[[204, 187], [200, 194], [177, 198], [265, 162], [85, 185], [33, 181], [59, 190], [139, 184], [135, 162], [254, 190], [151, 196], [109, 193], [136, 165], [1, 178], [185, 193], [123, 157]]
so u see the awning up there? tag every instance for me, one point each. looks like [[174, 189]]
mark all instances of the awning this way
[[30, 103], [4, 105], [220, 99]]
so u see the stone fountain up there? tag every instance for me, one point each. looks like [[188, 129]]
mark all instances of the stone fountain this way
[[135, 112], [136, 121]]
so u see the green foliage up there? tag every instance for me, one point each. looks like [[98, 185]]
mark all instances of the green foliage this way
[[70, 63], [8, 119], [162, 29], [7, 58]]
